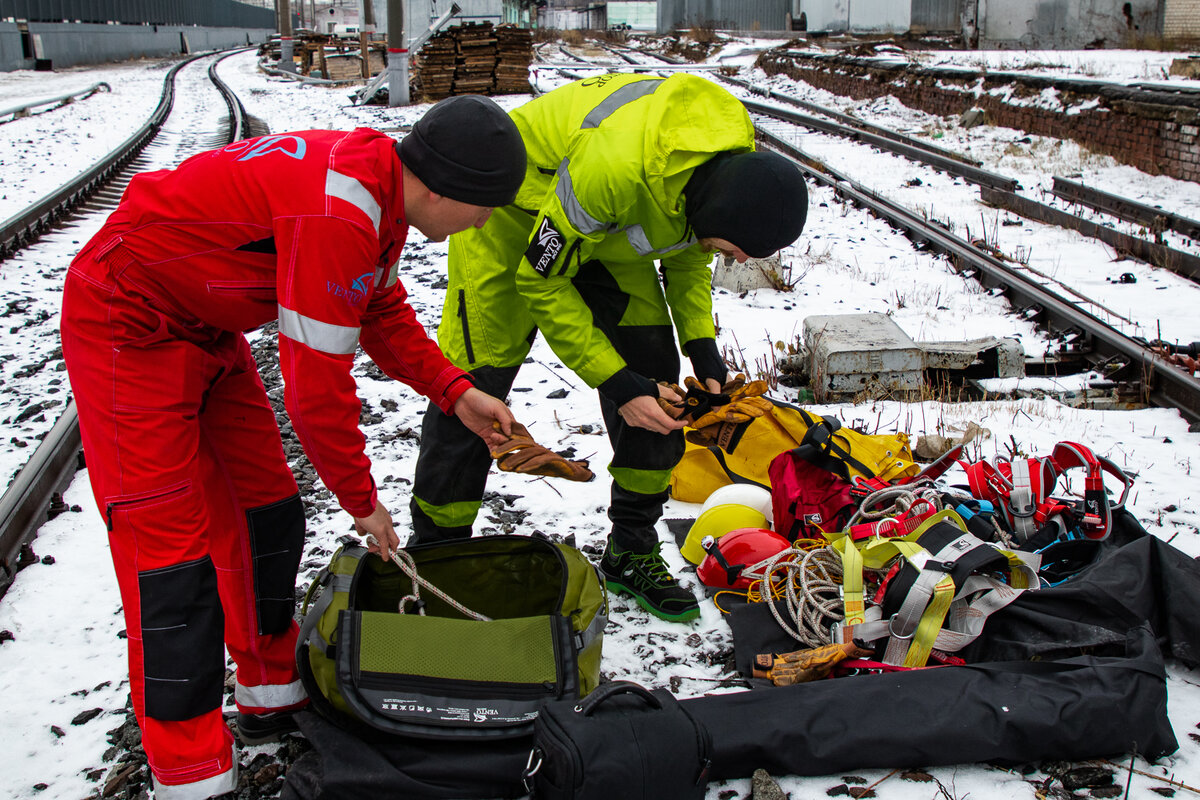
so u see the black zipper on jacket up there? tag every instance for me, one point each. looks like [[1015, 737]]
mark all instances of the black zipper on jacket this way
[[462, 314], [572, 250]]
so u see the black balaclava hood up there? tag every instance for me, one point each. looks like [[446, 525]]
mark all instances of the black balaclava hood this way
[[756, 201]]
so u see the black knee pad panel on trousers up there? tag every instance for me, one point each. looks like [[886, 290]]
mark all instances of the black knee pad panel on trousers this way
[[182, 640], [276, 544]]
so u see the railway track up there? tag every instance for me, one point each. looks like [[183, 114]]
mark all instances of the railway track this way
[[1148, 372], [35, 493]]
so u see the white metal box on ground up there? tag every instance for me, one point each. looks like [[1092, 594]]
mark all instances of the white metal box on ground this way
[[755, 273], [856, 353]]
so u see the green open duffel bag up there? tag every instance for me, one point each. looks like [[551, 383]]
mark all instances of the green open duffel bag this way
[[442, 674]]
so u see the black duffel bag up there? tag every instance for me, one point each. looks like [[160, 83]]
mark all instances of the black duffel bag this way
[[621, 741], [1004, 712]]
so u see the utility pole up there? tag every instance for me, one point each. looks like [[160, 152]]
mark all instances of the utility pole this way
[[397, 65], [285, 36]]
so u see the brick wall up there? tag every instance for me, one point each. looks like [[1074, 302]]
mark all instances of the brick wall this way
[[1181, 20], [1157, 138]]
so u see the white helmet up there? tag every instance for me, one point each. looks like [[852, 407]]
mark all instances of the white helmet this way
[[738, 505]]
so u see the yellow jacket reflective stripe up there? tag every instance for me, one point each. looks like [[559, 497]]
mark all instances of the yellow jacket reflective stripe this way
[[608, 158]]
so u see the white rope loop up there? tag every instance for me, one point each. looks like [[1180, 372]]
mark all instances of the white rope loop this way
[[404, 560], [901, 500]]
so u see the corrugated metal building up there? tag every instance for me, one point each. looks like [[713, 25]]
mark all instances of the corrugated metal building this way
[[1028, 24], [639, 15], [418, 14], [573, 15], [1065, 24], [48, 34], [742, 15]]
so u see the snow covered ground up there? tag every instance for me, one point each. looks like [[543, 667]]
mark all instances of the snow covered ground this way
[[63, 655]]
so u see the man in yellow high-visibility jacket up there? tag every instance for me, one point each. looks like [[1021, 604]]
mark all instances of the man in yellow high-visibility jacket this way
[[623, 171]]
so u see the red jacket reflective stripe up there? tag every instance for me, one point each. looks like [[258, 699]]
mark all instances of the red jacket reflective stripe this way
[[306, 228]]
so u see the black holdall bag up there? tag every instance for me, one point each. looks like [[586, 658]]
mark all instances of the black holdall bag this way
[[621, 741]]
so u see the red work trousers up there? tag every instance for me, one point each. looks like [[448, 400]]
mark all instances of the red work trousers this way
[[205, 522]]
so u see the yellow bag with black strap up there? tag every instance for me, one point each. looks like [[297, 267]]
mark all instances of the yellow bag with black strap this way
[[741, 452]]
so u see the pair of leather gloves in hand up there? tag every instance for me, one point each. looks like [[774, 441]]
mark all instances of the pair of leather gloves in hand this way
[[738, 401], [523, 455], [706, 412]]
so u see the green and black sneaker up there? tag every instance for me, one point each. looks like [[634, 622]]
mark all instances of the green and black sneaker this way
[[645, 576]]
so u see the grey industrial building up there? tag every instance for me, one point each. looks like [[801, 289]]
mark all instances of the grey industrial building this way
[[986, 24], [63, 33]]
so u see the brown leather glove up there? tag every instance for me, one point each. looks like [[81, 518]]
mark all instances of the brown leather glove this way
[[736, 402], [523, 455], [674, 410], [802, 666], [746, 402]]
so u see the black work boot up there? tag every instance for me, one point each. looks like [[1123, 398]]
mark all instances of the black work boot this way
[[646, 577], [254, 729]]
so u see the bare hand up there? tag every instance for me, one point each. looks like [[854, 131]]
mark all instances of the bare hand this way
[[643, 411], [379, 525], [478, 410]]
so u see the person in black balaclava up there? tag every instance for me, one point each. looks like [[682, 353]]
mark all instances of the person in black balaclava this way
[[632, 183]]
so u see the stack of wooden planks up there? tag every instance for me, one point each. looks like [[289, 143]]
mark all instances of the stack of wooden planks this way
[[476, 58], [433, 69], [516, 53], [475, 67]]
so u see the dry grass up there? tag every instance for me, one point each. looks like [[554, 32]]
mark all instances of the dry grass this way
[[703, 33]]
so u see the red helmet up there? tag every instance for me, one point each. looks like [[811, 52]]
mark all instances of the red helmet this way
[[731, 560]]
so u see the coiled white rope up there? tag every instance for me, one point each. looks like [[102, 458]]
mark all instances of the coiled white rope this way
[[812, 582]]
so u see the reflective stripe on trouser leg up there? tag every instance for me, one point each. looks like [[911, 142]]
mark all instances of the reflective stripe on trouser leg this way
[[214, 786], [256, 535], [452, 467], [642, 460]]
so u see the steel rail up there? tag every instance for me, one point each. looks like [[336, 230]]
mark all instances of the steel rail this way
[[1170, 97], [1000, 190], [628, 59], [851, 121], [571, 55], [22, 109], [1156, 219], [34, 495], [951, 166], [1166, 384], [239, 125], [25, 227], [1159, 255], [892, 141]]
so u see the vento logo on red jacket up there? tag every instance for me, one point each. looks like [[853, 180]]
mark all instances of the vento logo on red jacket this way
[[292, 146], [359, 288]]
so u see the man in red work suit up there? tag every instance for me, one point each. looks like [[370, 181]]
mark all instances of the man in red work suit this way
[[184, 455]]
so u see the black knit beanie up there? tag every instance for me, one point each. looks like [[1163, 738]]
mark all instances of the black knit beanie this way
[[466, 148], [757, 201]]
